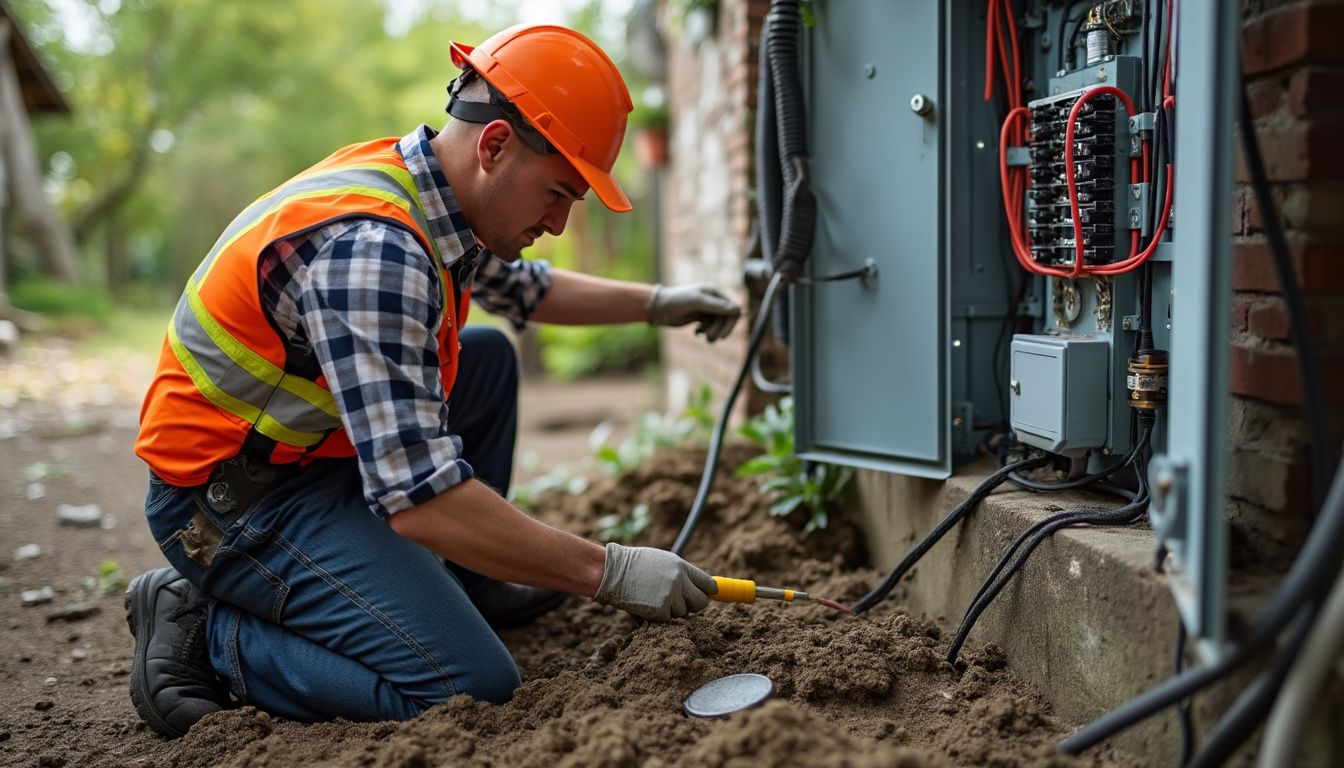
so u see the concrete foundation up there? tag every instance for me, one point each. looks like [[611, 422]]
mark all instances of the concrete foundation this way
[[1088, 620]]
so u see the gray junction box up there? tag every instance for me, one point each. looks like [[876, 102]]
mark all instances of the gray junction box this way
[[1059, 392]]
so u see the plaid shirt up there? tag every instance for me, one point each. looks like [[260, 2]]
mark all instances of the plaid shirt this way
[[366, 298]]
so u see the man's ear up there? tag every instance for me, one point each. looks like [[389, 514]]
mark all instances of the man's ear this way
[[491, 144]]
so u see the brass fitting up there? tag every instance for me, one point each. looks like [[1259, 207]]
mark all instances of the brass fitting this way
[[1147, 380]]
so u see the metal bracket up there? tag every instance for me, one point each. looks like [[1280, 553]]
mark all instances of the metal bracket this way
[[1138, 204], [1144, 121], [1018, 156]]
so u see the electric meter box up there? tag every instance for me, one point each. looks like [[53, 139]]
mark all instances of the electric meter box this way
[[1058, 391]]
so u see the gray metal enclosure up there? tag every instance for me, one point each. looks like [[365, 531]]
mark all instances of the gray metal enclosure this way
[[898, 372], [895, 373]]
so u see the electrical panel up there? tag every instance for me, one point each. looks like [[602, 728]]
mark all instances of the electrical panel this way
[[1027, 233]]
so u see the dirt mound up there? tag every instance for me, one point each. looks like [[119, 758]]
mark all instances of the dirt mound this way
[[602, 689]]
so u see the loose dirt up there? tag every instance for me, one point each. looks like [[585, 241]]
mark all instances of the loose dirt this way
[[600, 689]]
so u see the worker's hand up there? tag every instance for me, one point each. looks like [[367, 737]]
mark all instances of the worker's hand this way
[[714, 313], [652, 583]]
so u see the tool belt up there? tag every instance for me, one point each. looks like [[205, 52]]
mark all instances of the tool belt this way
[[234, 487]]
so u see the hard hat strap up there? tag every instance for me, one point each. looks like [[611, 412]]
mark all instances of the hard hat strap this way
[[499, 108]]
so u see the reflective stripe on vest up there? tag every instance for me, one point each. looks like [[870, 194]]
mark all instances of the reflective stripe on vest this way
[[282, 406]]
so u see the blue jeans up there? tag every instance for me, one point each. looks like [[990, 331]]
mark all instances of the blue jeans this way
[[320, 610]]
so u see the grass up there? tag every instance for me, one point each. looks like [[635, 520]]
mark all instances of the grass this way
[[135, 331]]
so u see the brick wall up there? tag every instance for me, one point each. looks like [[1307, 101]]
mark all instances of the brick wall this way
[[1293, 56], [708, 200]]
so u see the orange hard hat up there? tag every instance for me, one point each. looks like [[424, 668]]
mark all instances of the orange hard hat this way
[[567, 88]]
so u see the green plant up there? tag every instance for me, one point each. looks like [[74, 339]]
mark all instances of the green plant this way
[[109, 580], [569, 352], [652, 432], [790, 482], [61, 300], [626, 528]]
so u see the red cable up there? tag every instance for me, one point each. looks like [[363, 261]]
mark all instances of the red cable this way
[[1091, 93]]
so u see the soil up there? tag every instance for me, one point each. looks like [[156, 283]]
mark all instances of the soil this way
[[600, 688]]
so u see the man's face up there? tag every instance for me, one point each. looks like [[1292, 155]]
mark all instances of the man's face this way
[[526, 196]]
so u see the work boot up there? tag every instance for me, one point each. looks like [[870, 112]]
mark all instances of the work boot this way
[[172, 682], [507, 606]]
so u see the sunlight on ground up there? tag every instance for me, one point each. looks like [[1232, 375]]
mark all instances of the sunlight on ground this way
[[96, 366]]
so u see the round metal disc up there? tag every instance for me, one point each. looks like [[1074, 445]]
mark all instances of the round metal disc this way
[[727, 695]]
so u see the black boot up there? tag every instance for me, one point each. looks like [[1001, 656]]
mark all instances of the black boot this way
[[172, 682], [506, 606]]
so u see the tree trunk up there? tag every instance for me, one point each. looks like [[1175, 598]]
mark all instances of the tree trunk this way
[[20, 153]]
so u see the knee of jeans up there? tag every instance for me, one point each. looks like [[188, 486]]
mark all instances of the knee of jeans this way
[[495, 347], [493, 678]]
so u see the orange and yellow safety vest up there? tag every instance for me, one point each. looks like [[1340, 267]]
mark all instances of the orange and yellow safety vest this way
[[222, 378]]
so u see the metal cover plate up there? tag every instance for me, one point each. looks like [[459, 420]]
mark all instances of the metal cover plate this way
[[727, 695]]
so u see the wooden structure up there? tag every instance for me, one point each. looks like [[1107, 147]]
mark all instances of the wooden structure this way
[[27, 89]]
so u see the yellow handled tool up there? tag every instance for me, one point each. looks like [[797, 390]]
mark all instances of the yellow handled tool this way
[[746, 591]]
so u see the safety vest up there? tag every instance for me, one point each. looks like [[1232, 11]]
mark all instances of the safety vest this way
[[227, 383]]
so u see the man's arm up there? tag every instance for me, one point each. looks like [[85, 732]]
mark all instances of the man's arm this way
[[579, 299], [474, 527]]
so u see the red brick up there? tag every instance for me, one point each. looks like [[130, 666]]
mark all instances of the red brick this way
[[1265, 96], [1271, 374], [1300, 150], [1241, 307], [1269, 320], [1315, 89], [1302, 33], [1319, 266]]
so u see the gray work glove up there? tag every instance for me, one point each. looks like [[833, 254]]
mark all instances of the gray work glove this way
[[652, 583], [701, 303]]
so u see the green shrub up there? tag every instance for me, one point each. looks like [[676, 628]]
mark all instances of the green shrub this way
[[570, 352], [790, 482], [56, 299]]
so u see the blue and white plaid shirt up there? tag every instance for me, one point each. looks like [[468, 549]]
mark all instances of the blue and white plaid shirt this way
[[367, 299]]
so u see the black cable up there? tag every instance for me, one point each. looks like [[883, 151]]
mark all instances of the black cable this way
[[1033, 529], [1313, 570], [952, 518], [1253, 705], [1030, 533], [1073, 41], [1145, 57], [1079, 482], [1313, 401], [1117, 516], [1183, 709], [721, 426]]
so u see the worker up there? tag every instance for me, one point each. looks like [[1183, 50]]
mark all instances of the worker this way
[[329, 448]]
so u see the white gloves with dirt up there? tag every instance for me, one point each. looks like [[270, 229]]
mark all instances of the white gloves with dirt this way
[[652, 583], [714, 313]]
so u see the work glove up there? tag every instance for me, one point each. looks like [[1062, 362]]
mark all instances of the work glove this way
[[652, 583], [714, 313]]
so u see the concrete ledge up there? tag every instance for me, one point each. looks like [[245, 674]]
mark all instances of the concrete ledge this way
[[1088, 620]]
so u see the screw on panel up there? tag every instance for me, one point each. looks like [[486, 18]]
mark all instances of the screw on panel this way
[[1016, 386], [1101, 74], [870, 71], [921, 104]]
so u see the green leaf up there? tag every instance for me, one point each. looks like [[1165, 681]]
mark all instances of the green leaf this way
[[785, 505], [756, 466]]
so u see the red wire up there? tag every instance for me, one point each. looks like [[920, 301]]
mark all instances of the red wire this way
[[1013, 182], [1087, 96]]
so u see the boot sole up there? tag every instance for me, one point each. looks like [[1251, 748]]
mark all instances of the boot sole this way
[[141, 624]]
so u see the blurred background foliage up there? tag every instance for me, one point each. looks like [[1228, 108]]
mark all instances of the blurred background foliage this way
[[184, 111]]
